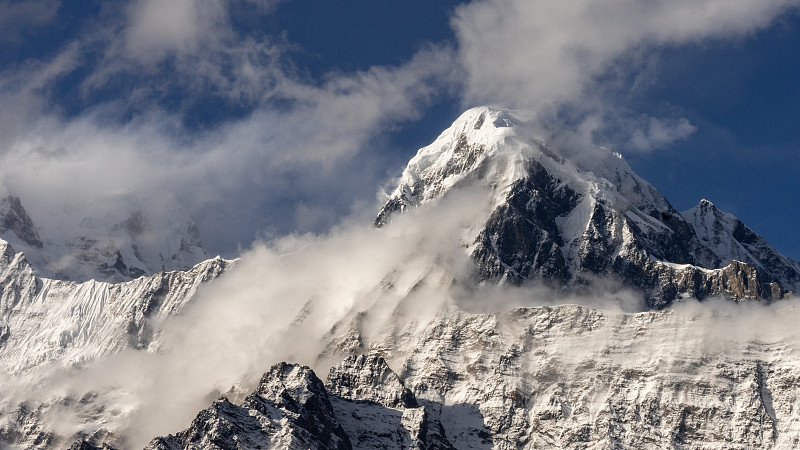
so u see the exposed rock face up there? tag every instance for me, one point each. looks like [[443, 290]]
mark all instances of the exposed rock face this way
[[292, 409], [14, 218], [83, 445], [378, 411], [521, 239], [368, 378], [24, 429], [566, 218]]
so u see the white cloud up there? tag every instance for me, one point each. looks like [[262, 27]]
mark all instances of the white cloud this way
[[233, 177], [659, 133], [157, 28], [525, 53]]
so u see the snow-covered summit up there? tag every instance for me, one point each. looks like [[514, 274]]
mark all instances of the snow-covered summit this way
[[497, 146], [474, 141], [566, 215]]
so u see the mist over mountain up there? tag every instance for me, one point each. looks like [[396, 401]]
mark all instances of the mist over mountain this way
[[514, 290], [132, 237]]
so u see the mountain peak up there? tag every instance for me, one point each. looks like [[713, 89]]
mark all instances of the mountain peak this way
[[475, 118], [565, 216], [14, 219]]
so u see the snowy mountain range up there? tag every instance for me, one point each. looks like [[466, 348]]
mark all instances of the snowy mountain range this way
[[117, 238], [514, 293]]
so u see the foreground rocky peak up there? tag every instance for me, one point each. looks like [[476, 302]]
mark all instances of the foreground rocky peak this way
[[363, 405], [566, 216]]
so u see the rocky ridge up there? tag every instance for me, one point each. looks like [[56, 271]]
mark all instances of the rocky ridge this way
[[362, 405], [45, 321]]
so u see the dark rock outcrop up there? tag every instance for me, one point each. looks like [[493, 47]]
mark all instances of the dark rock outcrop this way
[[363, 405], [15, 219], [289, 409]]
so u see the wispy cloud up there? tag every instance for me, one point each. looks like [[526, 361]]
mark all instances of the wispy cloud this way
[[533, 53], [584, 56], [275, 162], [20, 17]]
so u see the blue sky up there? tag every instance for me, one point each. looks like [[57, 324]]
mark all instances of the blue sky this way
[[263, 117]]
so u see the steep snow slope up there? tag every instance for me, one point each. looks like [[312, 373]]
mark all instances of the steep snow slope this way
[[48, 326], [566, 216], [53, 321]]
